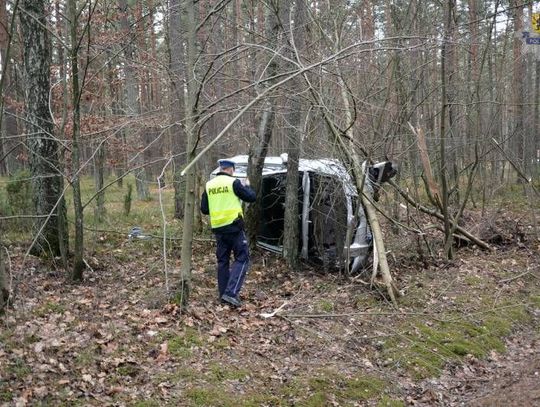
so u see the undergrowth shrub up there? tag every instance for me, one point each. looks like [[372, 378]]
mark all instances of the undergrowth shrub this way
[[127, 200], [18, 199]]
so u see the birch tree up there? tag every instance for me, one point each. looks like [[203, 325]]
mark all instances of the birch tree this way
[[47, 179]]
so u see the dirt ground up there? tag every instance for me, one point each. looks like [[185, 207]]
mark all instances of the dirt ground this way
[[115, 340]]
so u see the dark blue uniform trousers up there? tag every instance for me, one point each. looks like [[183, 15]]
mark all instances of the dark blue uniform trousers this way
[[231, 278]]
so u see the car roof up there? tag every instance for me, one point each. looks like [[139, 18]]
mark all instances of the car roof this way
[[277, 165]]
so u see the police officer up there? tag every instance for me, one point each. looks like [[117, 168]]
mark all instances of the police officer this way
[[222, 201]]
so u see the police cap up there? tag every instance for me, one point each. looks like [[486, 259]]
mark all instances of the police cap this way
[[226, 163]]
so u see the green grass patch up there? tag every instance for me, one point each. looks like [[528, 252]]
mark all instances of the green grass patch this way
[[205, 397], [86, 357], [6, 339], [387, 401], [179, 375], [182, 345], [19, 369], [473, 281], [50, 307], [114, 227], [219, 373], [128, 370], [326, 387], [535, 299], [424, 350], [148, 403], [325, 306], [6, 396]]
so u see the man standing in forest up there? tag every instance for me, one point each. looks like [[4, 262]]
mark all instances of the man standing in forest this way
[[222, 201]]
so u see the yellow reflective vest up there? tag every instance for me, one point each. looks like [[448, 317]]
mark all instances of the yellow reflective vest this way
[[225, 207]]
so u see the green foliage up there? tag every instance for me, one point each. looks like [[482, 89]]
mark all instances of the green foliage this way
[[128, 199], [18, 198]]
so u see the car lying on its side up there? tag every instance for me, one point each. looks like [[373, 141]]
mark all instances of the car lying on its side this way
[[332, 223]]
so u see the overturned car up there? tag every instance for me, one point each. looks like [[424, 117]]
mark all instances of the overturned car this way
[[334, 230]]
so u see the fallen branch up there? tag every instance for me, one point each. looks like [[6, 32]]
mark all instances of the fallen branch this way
[[432, 212], [507, 280], [273, 313]]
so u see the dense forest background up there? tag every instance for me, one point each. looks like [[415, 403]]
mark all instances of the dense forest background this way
[[117, 89]]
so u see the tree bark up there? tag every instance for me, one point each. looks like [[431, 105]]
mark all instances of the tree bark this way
[[99, 177], [190, 102], [446, 56], [176, 66], [4, 41], [132, 100], [518, 85], [47, 180], [291, 233], [259, 146], [78, 262], [4, 284]]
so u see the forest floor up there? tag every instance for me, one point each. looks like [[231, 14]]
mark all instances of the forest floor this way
[[467, 332]]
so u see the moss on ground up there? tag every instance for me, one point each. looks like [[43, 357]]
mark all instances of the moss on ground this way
[[219, 373], [50, 307], [327, 386], [387, 401], [325, 305], [424, 349], [181, 346], [18, 369], [148, 403]]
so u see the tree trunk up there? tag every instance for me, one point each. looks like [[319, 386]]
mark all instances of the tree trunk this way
[[78, 262], [446, 55], [4, 41], [4, 284], [518, 78], [259, 146], [132, 100], [99, 176], [176, 50], [47, 180], [121, 161], [190, 39], [291, 233]]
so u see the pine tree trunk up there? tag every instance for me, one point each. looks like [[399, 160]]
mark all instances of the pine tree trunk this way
[[99, 177], [132, 103], [78, 262], [176, 50], [518, 80], [446, 55], [4, 40]]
